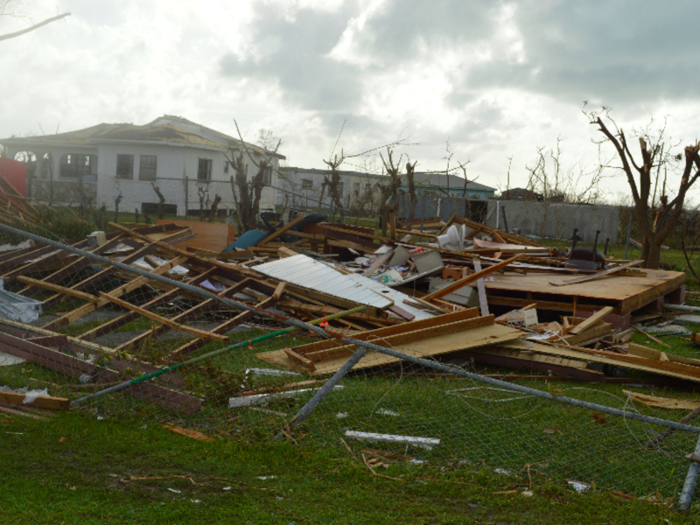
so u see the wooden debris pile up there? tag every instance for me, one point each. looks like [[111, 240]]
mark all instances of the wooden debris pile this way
[[526, 305]]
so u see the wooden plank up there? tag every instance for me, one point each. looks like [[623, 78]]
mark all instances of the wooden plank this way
[[415, 336], [58, 403], [133, 343], [609, 358], [592, 333], [645, 334], [117, 292], [122, 320], [596, 276], [279, 231], [60, 289], [481, 336], [380, 333], [442, 292], [163, 320], [223, 328], [45, 338], [591, 321], [378, 262]]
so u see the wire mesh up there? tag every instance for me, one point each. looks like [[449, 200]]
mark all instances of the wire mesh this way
[[103, 326]]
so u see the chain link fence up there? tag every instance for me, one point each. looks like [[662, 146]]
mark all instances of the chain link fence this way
[[208, 200], [408, 410]]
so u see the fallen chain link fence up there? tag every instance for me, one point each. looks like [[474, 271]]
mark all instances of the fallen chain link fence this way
[[108, 359]]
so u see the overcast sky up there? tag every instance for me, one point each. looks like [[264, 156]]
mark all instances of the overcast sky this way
[[495, 79]]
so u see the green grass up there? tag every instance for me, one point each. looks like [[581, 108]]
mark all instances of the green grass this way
[[76, 469]]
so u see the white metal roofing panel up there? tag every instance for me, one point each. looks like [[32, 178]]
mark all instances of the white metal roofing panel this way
[[305, 271], [394, 295]]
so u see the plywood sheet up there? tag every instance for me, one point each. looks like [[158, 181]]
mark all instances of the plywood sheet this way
[[214, 236]]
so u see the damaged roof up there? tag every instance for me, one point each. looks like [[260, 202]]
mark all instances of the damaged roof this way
[[168, 130]]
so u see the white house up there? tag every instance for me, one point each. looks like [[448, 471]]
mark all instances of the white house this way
[[124, 165]]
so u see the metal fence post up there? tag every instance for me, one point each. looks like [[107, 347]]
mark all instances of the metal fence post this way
[[691, 479], [187, 199], [629, 232]]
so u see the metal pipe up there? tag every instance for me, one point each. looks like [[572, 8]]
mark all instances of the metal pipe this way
[[682, 308], [326, 389], [523, 389], [187, 196], [690, 481]]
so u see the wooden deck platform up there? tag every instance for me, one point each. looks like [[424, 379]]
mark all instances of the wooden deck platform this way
[[625, 293]]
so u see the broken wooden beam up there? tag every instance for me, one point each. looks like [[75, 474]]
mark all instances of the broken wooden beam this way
[[442, 292]]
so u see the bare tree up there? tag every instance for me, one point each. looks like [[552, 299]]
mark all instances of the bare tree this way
[[410, 170], [8, 8], [550, 182], [656, 217], [249, 193], [161, 199], [333, 183], [389, 192]]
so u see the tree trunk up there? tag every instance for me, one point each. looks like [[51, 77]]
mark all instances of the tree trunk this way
[[653, 257]]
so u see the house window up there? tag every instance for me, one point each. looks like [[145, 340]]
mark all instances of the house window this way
[[125, 167], [356, 189], [149, 165], [267, 176], [307, 184], [78, 165], [341, 188], [204, 169], [226, 164], [368, 187]]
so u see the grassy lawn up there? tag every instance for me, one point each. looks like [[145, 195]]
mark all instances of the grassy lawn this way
[[77, 469]]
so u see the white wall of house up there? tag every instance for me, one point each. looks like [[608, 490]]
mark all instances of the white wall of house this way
[[174, 164]]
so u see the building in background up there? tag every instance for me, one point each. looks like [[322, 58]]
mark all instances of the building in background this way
[[108, 164], [303, 187]]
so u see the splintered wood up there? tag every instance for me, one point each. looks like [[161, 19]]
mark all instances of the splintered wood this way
[[310, 271]]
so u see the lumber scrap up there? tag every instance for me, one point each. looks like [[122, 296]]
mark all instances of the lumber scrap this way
[[13, 398], [664, 402], [591, 321], [596, 276], [427, 337], [442, 292], [82, 311], [59, 289], [73, 344], [513, 357], [604, 357], [281, 230], [162, 320], [76, 367]]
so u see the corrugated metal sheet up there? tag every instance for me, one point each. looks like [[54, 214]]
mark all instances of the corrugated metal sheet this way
[[394, 295], [305, 271]]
